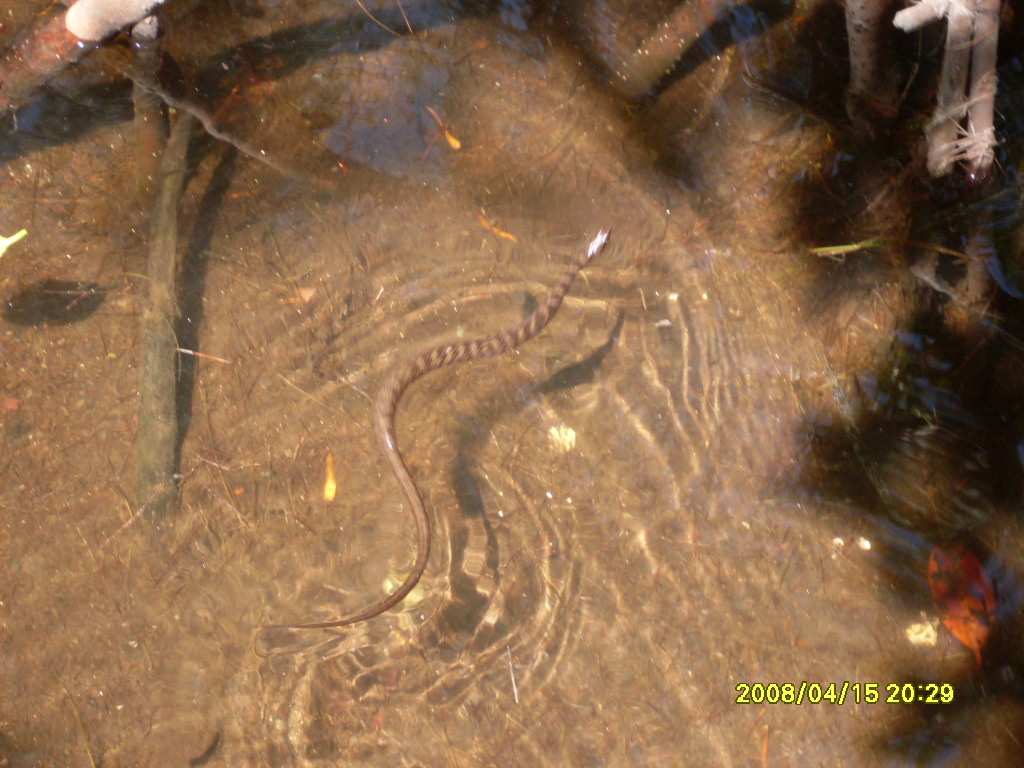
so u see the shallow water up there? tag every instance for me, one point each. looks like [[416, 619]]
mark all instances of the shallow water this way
[[662, 498]]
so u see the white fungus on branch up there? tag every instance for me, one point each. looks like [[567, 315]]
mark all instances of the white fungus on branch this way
[[94, 20], [919, 14]]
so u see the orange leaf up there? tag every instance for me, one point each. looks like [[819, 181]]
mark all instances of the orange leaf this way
[[330, 484], [963, 595], [499, 232]]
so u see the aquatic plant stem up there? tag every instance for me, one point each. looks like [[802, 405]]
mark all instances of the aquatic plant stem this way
[[7, 242]]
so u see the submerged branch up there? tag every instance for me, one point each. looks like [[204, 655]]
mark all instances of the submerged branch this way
[[981, 111], [150, 122], [871, 96], [655, 55], [62, 41], [37, 58], [950, 106], [158, 429], [970, 58]]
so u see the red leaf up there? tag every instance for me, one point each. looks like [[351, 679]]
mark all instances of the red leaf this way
[[963, 595]]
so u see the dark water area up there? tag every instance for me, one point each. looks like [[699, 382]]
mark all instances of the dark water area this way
[[768, 451]]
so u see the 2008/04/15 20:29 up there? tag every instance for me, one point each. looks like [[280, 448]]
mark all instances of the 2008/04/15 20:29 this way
[[862, 693]]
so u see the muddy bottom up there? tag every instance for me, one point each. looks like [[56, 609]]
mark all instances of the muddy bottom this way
[[654, 526]]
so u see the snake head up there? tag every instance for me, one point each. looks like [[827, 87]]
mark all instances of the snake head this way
[[597, 244]]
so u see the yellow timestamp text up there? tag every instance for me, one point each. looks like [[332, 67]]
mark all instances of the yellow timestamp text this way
[[839, 693]]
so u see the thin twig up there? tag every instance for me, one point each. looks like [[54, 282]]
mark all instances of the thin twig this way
[[203, 355], [512, 674], [407, 24], [380, 23], [81, 727]]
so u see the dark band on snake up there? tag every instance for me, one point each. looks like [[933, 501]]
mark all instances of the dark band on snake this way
[[386, 403]]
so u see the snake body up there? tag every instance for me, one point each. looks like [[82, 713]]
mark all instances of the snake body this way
[[386, 403]]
